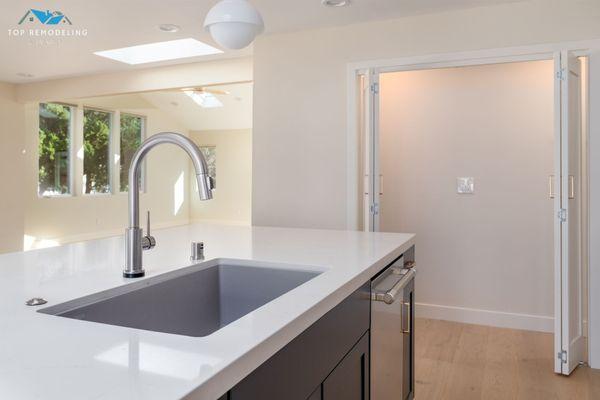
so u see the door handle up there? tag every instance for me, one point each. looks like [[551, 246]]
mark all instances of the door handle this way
[[380, 185], [551, 186], [408, 318], [571, 187], [389, 297]]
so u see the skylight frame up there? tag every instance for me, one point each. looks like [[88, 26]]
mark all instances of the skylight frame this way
[[160, 51], [204, 99]]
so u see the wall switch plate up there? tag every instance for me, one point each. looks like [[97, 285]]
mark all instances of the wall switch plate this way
[[465, 185]]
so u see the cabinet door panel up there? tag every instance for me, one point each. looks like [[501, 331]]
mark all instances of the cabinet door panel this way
[[316, 395], [350, 379]]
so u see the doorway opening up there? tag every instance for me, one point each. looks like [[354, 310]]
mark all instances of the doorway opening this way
[[483, 162]]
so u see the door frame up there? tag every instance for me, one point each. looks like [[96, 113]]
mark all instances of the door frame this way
[[446, 60]]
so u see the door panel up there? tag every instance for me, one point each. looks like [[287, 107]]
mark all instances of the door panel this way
[[316, 395], [569, 309], [350, 379]]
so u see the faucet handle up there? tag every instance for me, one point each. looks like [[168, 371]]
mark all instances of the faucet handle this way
[[148, 241], [148, 223]]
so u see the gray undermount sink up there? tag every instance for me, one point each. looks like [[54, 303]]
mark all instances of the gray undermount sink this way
[[194, 301]]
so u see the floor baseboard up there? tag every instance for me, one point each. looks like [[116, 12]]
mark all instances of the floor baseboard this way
[[499, 319]]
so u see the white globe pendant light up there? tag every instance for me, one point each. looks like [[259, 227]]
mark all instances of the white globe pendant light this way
[[234, 24]]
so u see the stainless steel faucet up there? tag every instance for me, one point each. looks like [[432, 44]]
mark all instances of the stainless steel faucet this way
[[135, 241]]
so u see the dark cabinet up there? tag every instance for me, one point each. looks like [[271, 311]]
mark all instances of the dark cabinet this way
[[333, 358], [297, 371], [350, 379], [316, 395]]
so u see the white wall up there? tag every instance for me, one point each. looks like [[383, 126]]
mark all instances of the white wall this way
[[50, 221], [299, 136], [594, 210], [11, 160], [143, 80], [496, 124], [231, 203], [300, 132]]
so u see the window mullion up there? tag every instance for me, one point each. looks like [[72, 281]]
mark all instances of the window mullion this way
[[115, 175], [77, 152]]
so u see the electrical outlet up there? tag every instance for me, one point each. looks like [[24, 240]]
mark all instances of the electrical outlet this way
[[465, 185]]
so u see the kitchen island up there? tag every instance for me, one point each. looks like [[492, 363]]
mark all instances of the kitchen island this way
[[53, 358]]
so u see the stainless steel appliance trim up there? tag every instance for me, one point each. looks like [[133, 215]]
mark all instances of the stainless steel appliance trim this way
[[389, 297], [408, 318]]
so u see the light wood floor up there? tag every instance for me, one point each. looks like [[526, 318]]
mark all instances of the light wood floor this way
[[460, 361]]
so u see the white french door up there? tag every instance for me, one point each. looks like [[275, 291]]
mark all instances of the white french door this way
[[372, 179], [570, 338], [569, 335]]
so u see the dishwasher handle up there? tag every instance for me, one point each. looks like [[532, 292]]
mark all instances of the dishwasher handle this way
[[389, 297]]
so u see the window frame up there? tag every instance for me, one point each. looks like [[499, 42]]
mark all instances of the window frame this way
[[70, 152], [76, 163], [111, 134]]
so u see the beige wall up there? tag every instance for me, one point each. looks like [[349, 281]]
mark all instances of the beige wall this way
[[143, 80], [72, 218], [299, 135], [58, 220], [11, 160], [232, 199], [494, 123]]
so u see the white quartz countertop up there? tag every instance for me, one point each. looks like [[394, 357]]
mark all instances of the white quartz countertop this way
[[53, 358]]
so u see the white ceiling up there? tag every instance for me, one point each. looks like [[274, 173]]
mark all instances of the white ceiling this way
[[119, 23], [236, 112]]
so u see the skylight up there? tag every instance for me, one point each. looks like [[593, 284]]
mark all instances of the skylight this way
[[204, 99], [159, 51]]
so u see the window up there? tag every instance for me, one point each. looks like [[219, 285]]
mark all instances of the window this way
[[132, 127], [62, 127], [96, 151], [54, 176]]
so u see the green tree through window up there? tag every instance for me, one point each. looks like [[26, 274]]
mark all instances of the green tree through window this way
[[54, 175], [131, 139], [96, 151]]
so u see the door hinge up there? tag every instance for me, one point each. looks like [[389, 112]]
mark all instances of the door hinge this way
[[562, 215], [560, 74], [562, 356], [375, 88], [374, 208]]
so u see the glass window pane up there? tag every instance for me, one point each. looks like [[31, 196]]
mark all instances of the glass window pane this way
[[131, 138], [96, 151], [54, 176]]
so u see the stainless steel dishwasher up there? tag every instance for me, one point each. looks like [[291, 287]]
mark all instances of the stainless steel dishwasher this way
[[392, 332]]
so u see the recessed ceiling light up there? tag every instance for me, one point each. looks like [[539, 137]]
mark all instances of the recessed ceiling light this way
[[204, 99], [171, 28], [159, 51], [335, 3], [24, 75]]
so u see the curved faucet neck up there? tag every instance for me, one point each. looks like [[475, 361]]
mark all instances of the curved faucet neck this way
[[135, 168]]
